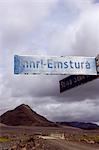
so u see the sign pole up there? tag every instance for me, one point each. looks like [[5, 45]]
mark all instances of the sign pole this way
[[97, 64]]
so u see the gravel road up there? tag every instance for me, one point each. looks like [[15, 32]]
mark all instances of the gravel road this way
[[64, 145]]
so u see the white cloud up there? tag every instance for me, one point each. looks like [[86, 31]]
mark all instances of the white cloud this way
[[80, 5], [68, 27], [87, 34]]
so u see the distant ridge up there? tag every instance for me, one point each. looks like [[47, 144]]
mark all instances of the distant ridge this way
[[25, 116], [81, 125]]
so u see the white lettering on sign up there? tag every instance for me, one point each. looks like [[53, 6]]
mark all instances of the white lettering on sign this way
[[54, 65]]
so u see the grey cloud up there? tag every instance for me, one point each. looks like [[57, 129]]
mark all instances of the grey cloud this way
[[80, 37], [84, 111]]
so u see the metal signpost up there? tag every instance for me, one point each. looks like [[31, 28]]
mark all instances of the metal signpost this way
[[55, 65], [83, 69]]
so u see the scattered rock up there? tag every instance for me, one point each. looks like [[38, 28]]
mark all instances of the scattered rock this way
[[88, 141], [91, 142], [13, 147]]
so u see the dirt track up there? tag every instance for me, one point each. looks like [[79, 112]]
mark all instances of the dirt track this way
[[64, 145], [46, 141]]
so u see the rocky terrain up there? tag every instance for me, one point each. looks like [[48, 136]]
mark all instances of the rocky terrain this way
[[47, 138], [24, 129]]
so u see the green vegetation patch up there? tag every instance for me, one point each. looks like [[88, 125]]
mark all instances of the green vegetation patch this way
[[94, 138], [4, 139]]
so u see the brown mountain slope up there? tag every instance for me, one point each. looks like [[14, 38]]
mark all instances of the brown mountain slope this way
[[24, 115]]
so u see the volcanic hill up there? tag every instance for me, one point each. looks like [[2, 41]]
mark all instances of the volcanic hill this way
[[23, 115]]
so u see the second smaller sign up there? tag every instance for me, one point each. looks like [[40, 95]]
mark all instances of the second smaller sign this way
[[75, 80]]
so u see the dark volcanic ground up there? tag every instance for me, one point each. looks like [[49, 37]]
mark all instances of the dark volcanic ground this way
[[47, 138], [27, 130]]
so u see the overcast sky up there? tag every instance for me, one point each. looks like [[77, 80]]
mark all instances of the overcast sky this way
[[48, 27]]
